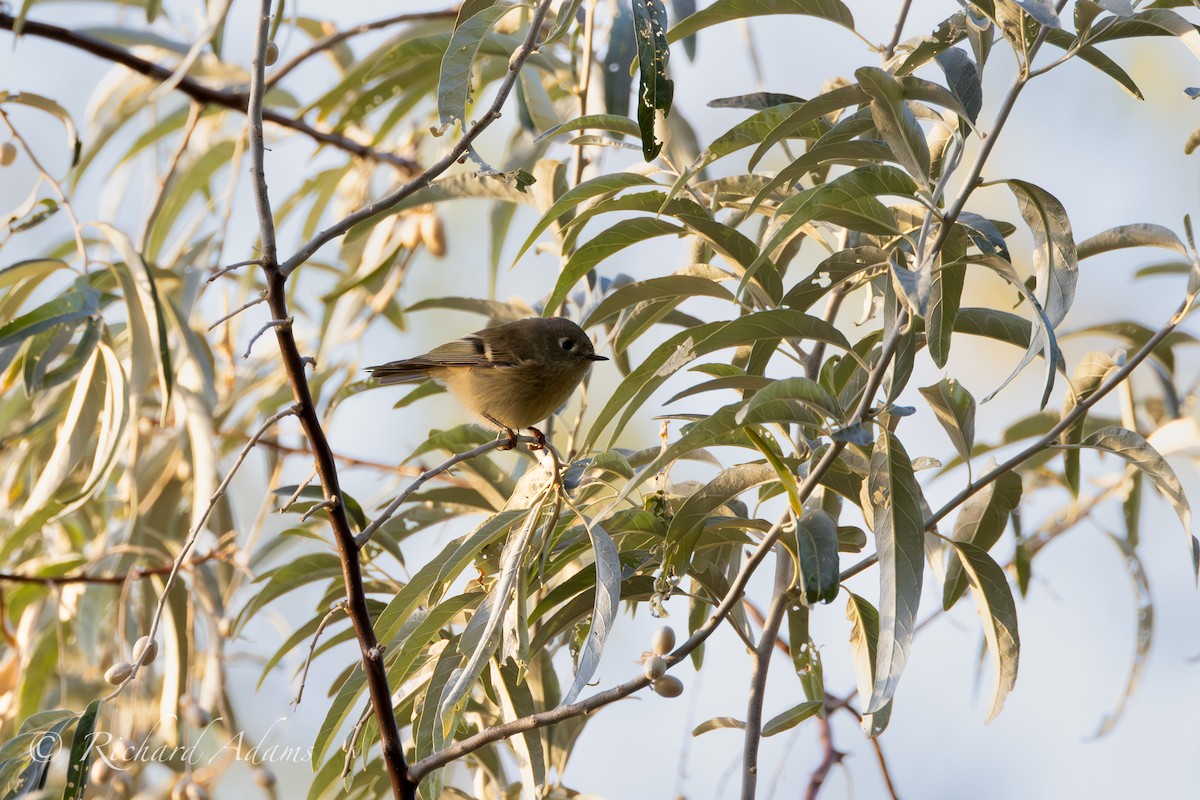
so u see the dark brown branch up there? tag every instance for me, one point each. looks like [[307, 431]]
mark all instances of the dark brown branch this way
[[758, 680], [832, 757], [137, 573], [293, 363], [336, 38], [200, 92], [898, 31]]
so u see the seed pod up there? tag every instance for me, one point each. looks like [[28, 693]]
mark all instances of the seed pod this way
[[149, 647], [433, 234], [8, 154], [668, 686], [654, 668], [663, 641], [264, 777], [272, 54], [118, 673]]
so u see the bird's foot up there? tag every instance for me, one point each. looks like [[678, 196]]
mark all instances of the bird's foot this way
[[510, 437], [541, 443]]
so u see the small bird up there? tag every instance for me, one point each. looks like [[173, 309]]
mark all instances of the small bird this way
[[512, 375]]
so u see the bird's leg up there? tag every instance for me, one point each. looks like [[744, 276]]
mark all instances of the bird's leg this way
[[541, 444], [508, 432]]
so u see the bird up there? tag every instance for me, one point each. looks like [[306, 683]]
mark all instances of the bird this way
[[512, 375]]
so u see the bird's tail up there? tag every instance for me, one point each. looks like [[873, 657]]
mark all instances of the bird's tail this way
[[407, 371]]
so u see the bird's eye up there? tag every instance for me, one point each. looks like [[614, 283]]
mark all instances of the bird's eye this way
[[567, 344]]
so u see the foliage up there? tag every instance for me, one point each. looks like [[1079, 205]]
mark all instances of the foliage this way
[[134, 378]]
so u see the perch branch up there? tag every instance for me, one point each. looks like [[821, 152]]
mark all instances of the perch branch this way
[[293, 364], [200, 92]]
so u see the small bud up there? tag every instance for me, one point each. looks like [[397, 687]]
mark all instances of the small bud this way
[[8, 154], [118, 673], [433, 234], [224, 627], [264, 777], [272, 54], [668, 686], [663, 640], [147, 646], [654, 668]]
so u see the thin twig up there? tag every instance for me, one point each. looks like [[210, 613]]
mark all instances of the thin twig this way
[[758, 682], [350, 461], [324, 505], [1069, 419], [160, 193], [277, 324], [309, 249], [200, 92], [369, 531], [898, 31], [63, 200], [334, 39], [232, 267], [339, 606], [249, 304], [137, 573], [585, 80], [300, 487], [832, 757], [194, 533]]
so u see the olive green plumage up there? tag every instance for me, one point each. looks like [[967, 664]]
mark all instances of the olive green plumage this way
[[512, 375]]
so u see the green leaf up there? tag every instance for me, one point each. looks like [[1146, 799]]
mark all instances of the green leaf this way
[[899, 529], [50, 107], [688, 345], [831, 272], [669, 287], [1142, 640], [817, 555], [1137, 235], [791, 400], [76, 303], [945, 296], [806, 657], [799, 122], [687, 526], [604, 610], [1139, 453], [603, 122], [792, 717], [602, 184], [954, 408], [980, 522], [727, 10], [1149, 22], [454, 83], [299, 571], [718, 723], [81, 749], [655, 89], [998, 613], [621, 235], [1092, 370], [895, 120], [864, 647]]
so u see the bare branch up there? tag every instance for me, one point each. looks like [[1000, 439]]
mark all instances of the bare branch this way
[[137, 573], [200, 92], [249, 304], [277, 324], [425, 178], [833, 756], [758, 680], [339, 606], [232, 267], [898, 31], [334, 39]]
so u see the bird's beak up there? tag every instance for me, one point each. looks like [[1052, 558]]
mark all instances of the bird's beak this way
[[595, 357]]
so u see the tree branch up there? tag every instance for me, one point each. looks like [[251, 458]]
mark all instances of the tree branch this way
[[137, 573], [200, 92], [758, 681], [293, 363], [425, 178], [336, 38]]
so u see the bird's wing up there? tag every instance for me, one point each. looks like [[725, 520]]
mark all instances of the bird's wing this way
[[470, 351]]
